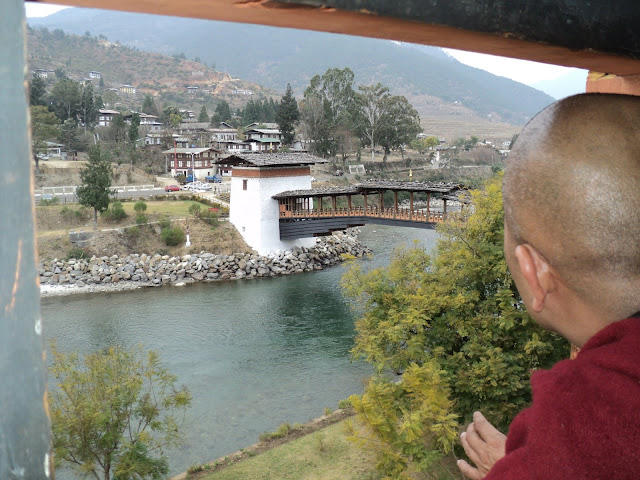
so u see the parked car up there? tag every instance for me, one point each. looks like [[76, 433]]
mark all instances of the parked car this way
[[214, 178], [171, 188]]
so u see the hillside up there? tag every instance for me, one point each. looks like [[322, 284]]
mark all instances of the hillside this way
[[166, 77], [436, 83]]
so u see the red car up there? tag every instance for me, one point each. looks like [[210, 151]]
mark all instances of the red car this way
[[171, 188]]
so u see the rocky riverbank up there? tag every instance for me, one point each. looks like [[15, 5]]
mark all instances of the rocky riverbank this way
[[102, 274]]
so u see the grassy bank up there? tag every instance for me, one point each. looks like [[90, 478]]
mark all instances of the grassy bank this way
[[121, 237], [325, 454]]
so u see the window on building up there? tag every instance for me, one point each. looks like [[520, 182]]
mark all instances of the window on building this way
[[244, 184]]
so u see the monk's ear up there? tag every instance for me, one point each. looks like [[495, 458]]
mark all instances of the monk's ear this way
[[538, 274]]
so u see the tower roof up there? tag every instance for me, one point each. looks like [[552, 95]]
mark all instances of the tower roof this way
[[270, 159]]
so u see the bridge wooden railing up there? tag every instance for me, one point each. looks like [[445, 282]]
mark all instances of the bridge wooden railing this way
[[389, 213]]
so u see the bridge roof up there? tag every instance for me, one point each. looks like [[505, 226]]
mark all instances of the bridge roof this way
[[270, 159], [374, 187], [318, 192], [431, 187]]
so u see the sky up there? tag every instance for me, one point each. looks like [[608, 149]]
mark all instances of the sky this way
[[529, 73]]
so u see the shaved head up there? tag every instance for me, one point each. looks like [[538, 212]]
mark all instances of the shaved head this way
[[572, 190]]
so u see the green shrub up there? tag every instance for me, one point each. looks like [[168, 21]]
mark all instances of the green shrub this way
[[345, 404], [77, 253], [165, 222], [282, 431], [141, 219], [172, 236], [140, 206], [115, 212], [194, 209], [195, 469], [210, 218], [46, 202], [163, 251], [132, 233], [71, 214]]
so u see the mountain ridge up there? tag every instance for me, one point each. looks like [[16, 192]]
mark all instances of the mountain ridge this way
[[273, 57]]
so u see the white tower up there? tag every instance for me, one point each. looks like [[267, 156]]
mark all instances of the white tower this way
[[256, 178]]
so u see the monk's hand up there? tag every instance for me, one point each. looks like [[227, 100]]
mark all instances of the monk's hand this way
[[483, 444]]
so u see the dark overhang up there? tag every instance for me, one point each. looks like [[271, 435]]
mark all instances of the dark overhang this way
[[599, 35]]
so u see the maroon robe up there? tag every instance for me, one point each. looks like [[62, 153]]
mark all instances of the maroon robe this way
[[584, 422]]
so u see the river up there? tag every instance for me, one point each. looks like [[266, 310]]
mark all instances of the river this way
[[254, 353]]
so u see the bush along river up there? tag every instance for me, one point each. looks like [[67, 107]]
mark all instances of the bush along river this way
[[255, 353]]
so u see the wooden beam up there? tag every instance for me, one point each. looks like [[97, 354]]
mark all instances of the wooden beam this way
[[603, 83], [549, 31], [410, 205], [395, 203]]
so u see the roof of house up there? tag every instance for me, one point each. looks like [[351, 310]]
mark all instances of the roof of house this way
[[194, 125], [195, 151], [268, 131], [270, 159], [104, 111], [266, 125]]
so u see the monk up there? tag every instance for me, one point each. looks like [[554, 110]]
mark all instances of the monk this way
[[572, 243]]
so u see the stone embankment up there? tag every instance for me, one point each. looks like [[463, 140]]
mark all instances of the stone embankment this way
[[60, 277]]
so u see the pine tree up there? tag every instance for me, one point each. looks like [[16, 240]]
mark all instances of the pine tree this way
[[287, 116], [149, 106], [222, 113], [204, 116], [37, 91], [95, 183], [134, 134]]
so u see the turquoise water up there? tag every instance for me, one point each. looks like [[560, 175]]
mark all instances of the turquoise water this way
[[254, 353]]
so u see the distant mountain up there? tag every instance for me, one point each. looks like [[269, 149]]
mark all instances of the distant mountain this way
[[574, 81], [165, 77], [436, 83]]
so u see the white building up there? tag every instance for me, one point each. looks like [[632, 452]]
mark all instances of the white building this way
[[255, 179]]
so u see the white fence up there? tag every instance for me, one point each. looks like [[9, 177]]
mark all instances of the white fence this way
[[72, 189]]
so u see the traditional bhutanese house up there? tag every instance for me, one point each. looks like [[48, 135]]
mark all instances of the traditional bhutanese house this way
[[256, 178], [127, 89], [105, 116], [184, 161]]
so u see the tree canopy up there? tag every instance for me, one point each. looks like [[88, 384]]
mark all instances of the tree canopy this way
[[45, 126], [454, 326], [332, 113], [222, 113], [114, 411], [67, 99]]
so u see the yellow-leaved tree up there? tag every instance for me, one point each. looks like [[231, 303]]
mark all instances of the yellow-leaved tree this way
[[453, 331]]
